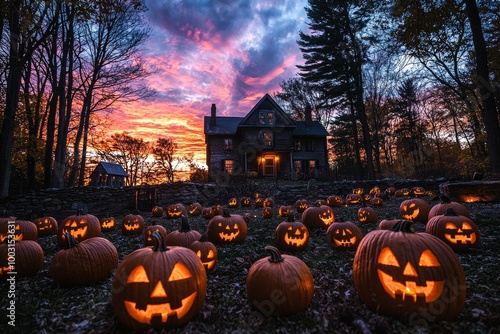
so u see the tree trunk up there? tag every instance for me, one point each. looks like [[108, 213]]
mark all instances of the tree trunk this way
[[489, 110]]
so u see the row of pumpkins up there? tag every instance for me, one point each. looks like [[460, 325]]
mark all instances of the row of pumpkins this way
[[396, 271]]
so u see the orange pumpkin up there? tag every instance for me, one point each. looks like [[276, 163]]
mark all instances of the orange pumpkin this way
[[318, 217], [291, 234], [343, 235]]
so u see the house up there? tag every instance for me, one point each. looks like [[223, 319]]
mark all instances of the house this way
[[266, 142], [108, 174]]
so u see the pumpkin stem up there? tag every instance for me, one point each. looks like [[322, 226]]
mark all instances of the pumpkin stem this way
[[159, 242], [275, 254], [226, 214], [70, 240], [184, 224], [451, 212], [405, 226]]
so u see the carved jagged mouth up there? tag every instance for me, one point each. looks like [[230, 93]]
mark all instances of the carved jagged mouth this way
[[163, 310], [132, 227], [461, 238], [345, 243], [430, 291], [295, 240], [78, 233], [209, 264], [227, 237]]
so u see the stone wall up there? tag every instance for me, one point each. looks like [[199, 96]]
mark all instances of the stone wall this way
[[100, 201]]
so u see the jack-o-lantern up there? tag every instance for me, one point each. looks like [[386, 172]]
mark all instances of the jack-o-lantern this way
[[108, 224], [29, 259], [353, 199], [46, 225], [375, 190], [343, 235], [81, 226], [245, 202], [367, 215], [391, 191], [359, 191], [83, 263], [133, 223], [403, 192], [208, 212], [218, 209], [417, 191], [409, 275], [291, 234], [257, 195], [446, 203], [195, 209], [415, 209], [318, 217], [320, 201], [233, 202], [227, 228], [147, 234], [367, 197], [184, 236], [267, 212], [335, 201], [268, 202], [285, 210], [157, 211], [206, 251], [301, 205], [286, 274], [175, 211], [19, 230], [259, 202], [430, 193], [458, 231], [158, 287], [377, 201]]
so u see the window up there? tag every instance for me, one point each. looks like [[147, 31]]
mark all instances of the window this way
[[296, 145], [312, 164], [309, 145], [228, 166], [266, 117], [298, 166], [228, 145], [267, 137]]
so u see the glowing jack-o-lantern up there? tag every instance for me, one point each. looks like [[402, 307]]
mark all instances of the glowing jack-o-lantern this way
[[233, 202], [377, 201], [459, 232], [375, 190], [259, 202], [268, 202], [367, 215], [46, 225], [267, 212], [245, 202], [227, 228], [403, 192], [409, 275], [147, 234], [158, 287], [417, 191], [335, 201], [81, 226], [343, 235], [301, 205], [108, 223], [359, 191], [390, 191], [318, 217], [208, 212], [195, 209], [415, 209], [354, 199], [21, 230], [291, 234], [285, 210], [176, 211], [206, 251], [157, 211], [133, 223]]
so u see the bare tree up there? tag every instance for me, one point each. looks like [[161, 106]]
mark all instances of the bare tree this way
[[164, 153]]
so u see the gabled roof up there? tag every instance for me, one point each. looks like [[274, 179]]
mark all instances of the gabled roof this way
[[279, 112], [113, 168], [224, 126]]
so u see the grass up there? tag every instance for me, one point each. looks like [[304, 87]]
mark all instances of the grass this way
[[43, 307]]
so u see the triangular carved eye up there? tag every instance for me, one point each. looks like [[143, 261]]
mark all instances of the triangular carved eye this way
[[466, 226], [450, 226], [179, 272], [428, 259], [211, 254], [138, 275], [198, 253], [387, 257]]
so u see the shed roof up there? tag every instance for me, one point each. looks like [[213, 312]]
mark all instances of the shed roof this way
[[113, 168]]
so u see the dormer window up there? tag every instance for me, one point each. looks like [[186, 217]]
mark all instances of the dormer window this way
[[266, 117], [228, 145]]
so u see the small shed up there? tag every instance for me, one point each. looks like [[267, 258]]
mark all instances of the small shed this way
[[108, 174]]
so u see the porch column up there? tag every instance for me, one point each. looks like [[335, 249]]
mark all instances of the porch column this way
[[292, 172]]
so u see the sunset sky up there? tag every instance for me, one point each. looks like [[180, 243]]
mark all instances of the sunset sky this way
[[227, 52]]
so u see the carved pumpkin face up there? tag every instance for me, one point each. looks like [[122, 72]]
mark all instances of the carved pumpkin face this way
[[415, 209], [80, 226], [232, 202], [157, 211], [267, 212], [245, 202], [46, 226], [301, 205], [353, 199], [320, 202], [195, 209], [409, 275], [268, 202], [132, 224], [176, 211], [227, 228], [417, 191], [291, 235], [459, 232], [159, 288], [367, 215], [108, 224], [343, 235], [147, 234], [375, 190], [335, 201], [318, 217], [208, 213], [402, 192], [359, 191], [285, 210], [377, 201], [390, 191], [206, 251], [22, 230], [259, 202]]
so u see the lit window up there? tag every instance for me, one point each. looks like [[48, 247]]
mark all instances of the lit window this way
[[266, 117], [267, 137], [228, 144], [312, 164], [228, 166]]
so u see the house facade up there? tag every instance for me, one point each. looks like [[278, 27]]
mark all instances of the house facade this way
[[265, 143], [108, 174]]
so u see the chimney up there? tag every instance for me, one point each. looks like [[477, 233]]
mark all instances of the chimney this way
[[308, 115], [213, 115]]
